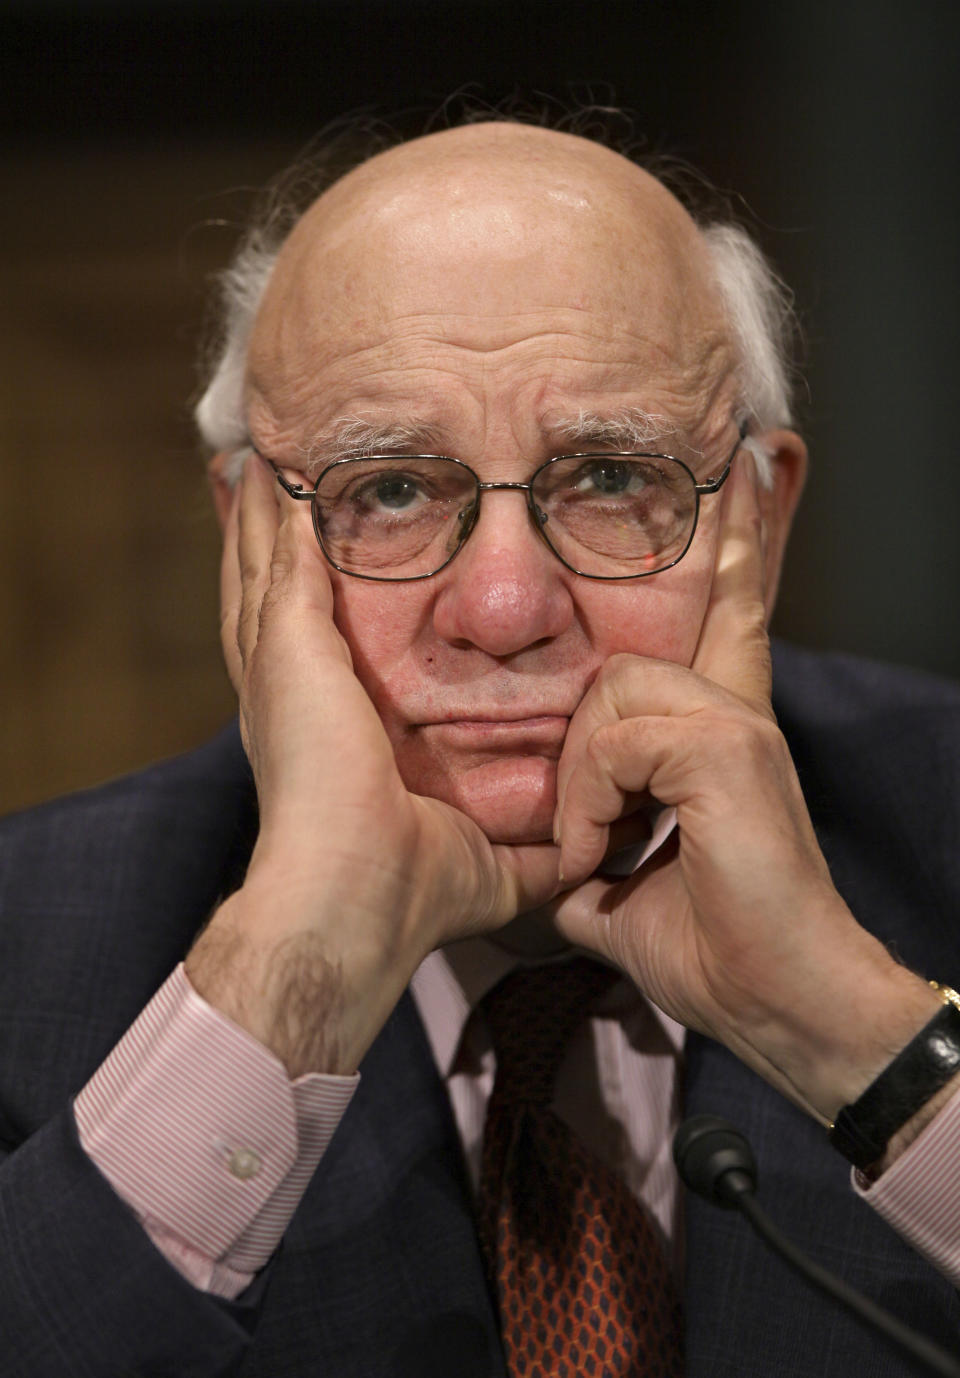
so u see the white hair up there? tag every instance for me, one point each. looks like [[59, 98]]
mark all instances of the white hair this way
[[757, 303], [759, 309], [220, 414]]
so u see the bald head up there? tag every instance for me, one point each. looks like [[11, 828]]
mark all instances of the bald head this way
[[492, 195], [476, 238], [503, 178]]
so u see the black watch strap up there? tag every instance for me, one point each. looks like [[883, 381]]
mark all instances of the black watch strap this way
[[863, 1130]]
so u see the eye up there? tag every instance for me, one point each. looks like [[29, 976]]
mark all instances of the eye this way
[[610, 477], [391, 490]]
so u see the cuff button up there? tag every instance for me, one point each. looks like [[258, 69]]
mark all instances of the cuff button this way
[[244, 1163]]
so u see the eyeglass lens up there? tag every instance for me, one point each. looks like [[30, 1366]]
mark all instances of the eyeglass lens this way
[[610, 515]]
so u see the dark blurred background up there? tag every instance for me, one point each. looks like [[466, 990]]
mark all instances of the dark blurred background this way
[[134, 137]]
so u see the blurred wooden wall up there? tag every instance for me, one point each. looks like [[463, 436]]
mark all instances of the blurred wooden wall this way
[[134, 127], [108, 546]]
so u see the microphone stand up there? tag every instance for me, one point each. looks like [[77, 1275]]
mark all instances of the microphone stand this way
[[715, 1160]]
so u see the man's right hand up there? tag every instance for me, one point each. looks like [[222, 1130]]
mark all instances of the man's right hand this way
[[353, 880]]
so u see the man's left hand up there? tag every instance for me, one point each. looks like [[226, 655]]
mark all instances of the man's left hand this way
[[735, 927]]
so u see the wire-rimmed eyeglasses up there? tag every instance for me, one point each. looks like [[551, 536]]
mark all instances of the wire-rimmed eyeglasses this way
[[605, 516]]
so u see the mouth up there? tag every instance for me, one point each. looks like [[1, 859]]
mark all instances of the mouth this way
[[541, 734]]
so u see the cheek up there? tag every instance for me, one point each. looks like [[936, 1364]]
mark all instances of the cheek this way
[[658, 617], [382, 624]]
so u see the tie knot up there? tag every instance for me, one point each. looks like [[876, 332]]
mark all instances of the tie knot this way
[[531, 1015]]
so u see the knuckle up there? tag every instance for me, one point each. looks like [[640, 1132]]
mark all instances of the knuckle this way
[[282, 564], [249, 568], [615, 667], [602, 744], [273, 598], [244, 637], [753, 735], [596, 749], [767, 733]]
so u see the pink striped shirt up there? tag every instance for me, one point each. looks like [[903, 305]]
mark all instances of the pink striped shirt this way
[[197, 1127]]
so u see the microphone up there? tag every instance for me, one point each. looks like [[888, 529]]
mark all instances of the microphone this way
[[715, 1160]]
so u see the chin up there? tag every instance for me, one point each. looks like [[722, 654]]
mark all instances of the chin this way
[[511, 801], [515, 830]]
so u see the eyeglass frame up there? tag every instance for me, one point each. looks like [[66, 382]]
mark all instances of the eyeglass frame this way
[[301, 494]]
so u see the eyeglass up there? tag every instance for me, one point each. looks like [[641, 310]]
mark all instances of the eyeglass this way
[[605, 516]]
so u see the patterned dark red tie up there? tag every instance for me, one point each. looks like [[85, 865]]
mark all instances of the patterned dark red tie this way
[[580, 1276]]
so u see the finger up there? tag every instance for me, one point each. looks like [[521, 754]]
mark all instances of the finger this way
[[678, 761], [617, 765], [582, 915], [529, 878], [258, 521], [297, 584], [631, 686], [597, 916], [491, 883], [629, 840], [734, 650]]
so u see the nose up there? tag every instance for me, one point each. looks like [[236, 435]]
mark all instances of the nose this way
[[505, 591]]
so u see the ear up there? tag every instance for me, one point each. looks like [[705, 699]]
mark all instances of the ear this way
[[221, 487], [778, 502]]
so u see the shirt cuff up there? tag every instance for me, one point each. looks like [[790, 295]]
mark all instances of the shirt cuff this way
[[917, 1195], [197, 1127]]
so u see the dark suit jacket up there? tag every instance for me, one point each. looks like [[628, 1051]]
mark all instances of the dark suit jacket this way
[[379, 1273]]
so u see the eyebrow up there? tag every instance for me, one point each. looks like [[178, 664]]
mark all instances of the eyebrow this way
[[353, 437], [628, 428]]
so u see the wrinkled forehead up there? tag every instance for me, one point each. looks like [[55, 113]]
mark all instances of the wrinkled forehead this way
[[477, 242]]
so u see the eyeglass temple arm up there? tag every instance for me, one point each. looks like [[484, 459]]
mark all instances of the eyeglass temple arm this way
[[712, 485], [295, 490]]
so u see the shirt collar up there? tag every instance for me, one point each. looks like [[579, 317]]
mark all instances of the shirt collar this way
[[450, 983]]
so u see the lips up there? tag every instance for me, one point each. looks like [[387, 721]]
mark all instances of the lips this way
[[503, 714], [542, 734]]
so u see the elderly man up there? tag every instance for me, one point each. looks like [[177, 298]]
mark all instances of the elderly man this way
[[538, 418]]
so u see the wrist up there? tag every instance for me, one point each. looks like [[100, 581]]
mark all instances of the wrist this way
[[310, 984], [835, 1033], [862, 1035], [898, 1104]]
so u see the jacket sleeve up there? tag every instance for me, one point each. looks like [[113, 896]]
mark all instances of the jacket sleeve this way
[[82, 1289]]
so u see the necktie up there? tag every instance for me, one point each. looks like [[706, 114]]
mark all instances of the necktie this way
[[581, 1280]]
